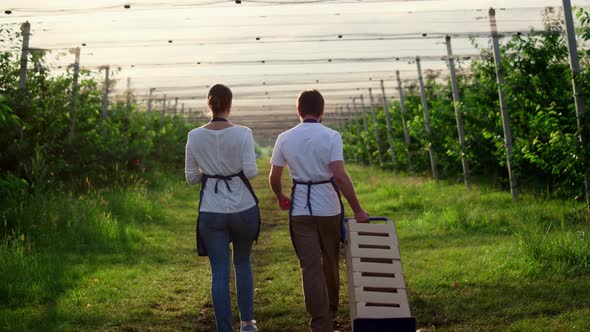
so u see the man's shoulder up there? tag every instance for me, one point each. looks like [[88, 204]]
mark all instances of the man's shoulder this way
[[319, 132], [331, 131], [289, 132], [327, 132]]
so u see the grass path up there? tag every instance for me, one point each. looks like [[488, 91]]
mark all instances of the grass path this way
[[166, 286], [463, 256], [160, 284]]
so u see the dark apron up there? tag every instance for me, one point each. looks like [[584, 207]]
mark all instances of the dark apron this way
[[309, 184], [201, 250]]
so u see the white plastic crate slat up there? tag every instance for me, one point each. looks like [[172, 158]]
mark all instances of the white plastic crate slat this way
[[354, 226], [362, 295], [394, 267], [358, 238], [349, 276], [366, 310], [375, 274], [359, 280], [392, 253]]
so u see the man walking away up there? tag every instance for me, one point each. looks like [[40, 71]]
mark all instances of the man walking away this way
[[313, 153]]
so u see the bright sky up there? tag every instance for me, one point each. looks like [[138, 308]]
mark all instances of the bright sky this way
[[215, 41]]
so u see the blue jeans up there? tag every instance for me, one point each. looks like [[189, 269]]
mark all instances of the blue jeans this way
[[216, 229]]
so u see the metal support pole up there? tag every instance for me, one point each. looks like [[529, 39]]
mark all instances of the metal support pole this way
[[26, 33], [388, 122], [105, 97], [182, 110], [74, 109], [427, 120], [457, 104], [503, 107], [579, 101], [358, 115], [408, 139], [375, 127], [366, 126]]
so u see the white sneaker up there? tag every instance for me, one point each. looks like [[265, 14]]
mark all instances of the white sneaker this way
[[248, 326]]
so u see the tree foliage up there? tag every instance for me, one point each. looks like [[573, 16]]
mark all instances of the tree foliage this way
[[547, 154], [37, 147]]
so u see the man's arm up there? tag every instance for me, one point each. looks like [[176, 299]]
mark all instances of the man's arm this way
[[276, 185], [347, 189]]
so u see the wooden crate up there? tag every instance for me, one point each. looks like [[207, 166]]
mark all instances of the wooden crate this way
[[376, 283]]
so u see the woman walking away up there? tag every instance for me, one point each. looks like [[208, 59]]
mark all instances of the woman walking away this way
[[221, 157]]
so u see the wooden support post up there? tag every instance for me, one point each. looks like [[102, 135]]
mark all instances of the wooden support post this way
[[408, 139], [427, 120], [338, 120], [105, 96], [388, 123], [579, 100], [457, 104], [503, 107], [358, 128], [26, 33], [74, 109], [342, 128], [175, 107], [163, 114], [344, 124], [128, 95], [375, 126], [351, 116], [182, 110], [149, 105], [366, 126]]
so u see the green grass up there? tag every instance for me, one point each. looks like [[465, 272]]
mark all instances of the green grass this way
[[123, 259], [479, 261]]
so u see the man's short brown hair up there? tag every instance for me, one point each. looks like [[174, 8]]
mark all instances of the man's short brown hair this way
[[310, 102]]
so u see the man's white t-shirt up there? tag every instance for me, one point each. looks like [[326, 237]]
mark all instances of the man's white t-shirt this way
[[308, 149]]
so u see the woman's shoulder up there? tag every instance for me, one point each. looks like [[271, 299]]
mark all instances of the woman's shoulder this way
[[196, 131], [234, 130], [243, 129]]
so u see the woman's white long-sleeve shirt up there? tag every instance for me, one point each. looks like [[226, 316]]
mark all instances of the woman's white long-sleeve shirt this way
[[221, 152]]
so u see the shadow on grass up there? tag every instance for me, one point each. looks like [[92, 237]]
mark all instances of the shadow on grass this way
[[55, 238], [483, 307], [445, 240]]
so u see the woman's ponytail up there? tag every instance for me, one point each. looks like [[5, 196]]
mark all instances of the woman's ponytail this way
[[219, 98]]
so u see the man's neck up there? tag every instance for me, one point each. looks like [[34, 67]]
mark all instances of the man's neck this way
[[310, 118]]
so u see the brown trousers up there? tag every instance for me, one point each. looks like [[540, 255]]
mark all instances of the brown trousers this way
[[317, 243]]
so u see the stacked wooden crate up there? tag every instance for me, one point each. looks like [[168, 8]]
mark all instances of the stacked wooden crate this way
[[377, 291]]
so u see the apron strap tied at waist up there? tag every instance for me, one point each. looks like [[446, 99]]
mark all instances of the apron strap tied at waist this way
[[204, 177], [224, 178], [309, 184], [308, 205]]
